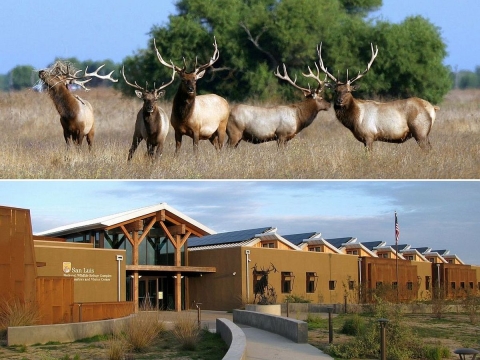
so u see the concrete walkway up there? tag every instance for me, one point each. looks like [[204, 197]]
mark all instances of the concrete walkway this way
[[261, 345]]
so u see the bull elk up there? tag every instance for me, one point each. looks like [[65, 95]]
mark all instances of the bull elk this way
[[369, 121], [152, 121], [76, 114], [281, 123], [199, 117]]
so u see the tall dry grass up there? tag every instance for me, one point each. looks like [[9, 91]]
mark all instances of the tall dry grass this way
[[14, 312], [33, 147], [186, 332]]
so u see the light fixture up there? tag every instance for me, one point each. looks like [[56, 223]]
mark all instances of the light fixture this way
[[234, 273]]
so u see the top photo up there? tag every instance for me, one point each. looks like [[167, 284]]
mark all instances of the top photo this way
[[240, 89]]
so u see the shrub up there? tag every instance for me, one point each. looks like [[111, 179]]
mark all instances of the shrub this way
[[15, 312], [117, 346], [353, 326], [142, 330], [187, 332], [296, 299], [316, 322]]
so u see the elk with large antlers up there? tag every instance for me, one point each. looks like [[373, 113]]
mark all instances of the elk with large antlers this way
[[152, 121], [200, 117], [281, 123], [369, 121], [76, 114]]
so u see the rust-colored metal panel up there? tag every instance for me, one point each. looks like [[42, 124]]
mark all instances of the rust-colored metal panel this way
[[55, 299], [17, 258], [101, 311]]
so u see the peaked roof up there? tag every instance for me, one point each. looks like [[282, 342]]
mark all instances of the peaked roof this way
[[111, 220], [371, 245], [339, 242], [422, 250], [228, 237], [297, 239]]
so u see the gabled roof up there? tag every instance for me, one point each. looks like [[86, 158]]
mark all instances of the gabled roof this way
[[320, 241], [453, 256], [111, 220], [414, 252], [231, 237], [371, 245], [423, 250], [442, 252], [340, 242], [297, 239]]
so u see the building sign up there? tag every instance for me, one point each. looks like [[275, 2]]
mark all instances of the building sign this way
[[83, 274]]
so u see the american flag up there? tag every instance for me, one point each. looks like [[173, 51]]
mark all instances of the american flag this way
[[397, 229]]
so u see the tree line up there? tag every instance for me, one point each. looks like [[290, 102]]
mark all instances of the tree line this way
[[256, 36]]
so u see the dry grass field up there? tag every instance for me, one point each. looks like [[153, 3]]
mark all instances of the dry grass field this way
[[33, 147]]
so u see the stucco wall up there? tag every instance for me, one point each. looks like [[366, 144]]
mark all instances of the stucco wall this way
[[94, 270]]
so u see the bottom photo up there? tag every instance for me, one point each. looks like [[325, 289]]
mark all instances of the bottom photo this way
[[278, 269]]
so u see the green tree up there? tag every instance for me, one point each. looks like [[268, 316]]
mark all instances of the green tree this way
[[254, 37], [21, 77]]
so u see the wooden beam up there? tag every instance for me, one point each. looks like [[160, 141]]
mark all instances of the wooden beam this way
[[177, 229], [160, 215], [184, 239], [127, 234], [147, 229], [170, 237]]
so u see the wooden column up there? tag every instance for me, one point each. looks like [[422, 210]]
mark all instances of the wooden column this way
[[135, 273]]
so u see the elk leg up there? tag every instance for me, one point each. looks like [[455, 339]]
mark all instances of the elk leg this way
[[159, 151], [90, 136], [178, 141], [196, 139], [150, 150], [135, 142]]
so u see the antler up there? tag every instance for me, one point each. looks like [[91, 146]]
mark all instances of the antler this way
[[322, 67], [163, 62], [74, 79], [294, 82], [136, 86], [374, 55], [197, 70], [321, 83], [213, 59]]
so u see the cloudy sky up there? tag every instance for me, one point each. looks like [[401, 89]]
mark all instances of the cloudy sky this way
[[438, 214], [35, 32]]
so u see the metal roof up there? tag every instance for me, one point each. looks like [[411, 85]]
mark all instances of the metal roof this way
[[118, 218], [297, 239], [339, 242], [370, 245], [228, 237]]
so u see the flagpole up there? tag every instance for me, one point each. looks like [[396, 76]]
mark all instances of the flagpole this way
[[396, 255]]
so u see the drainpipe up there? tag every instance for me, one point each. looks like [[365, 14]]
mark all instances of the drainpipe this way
[[119, 259], [247, 252]]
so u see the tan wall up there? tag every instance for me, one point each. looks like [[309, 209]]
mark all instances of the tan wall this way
[[225, 291], [424, 269], [17, 258], [94, 270]]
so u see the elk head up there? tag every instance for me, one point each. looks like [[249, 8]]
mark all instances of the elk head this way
[[63, 74], [316, 93], [188, 83], [343, 90], [149, 97]]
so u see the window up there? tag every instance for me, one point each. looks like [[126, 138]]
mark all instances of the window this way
[[384, 255], [378, 284], [471, 285], [462, 285], [312, 280], [287, 282], [427, 282], [394, 285], [315, 248], [270, 245], [351, 285], [352, 252], [332, 284], [409, 285], [452, 284], [409, 257]]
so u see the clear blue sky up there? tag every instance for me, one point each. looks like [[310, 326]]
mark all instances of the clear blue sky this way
[[35, 32], [438, 214]]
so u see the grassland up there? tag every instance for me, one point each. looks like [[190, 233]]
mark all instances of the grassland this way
[[33, 147]]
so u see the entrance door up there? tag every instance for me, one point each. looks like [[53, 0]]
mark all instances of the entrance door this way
[[148, 293]]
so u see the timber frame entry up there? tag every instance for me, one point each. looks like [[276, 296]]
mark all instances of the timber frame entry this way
[[136, 230]]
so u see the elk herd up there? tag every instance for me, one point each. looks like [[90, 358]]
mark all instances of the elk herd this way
[[210, 117]]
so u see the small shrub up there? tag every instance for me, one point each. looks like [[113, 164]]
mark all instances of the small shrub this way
[[436, 352], [187, 332], [316, 322], [142, 330], [354, 325], [117, 346], [297, 299], [17, 313]]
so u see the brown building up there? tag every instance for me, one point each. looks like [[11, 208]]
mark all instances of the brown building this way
[[158, 257]]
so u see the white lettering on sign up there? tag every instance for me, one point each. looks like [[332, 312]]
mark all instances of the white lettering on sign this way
[[83, 273]]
